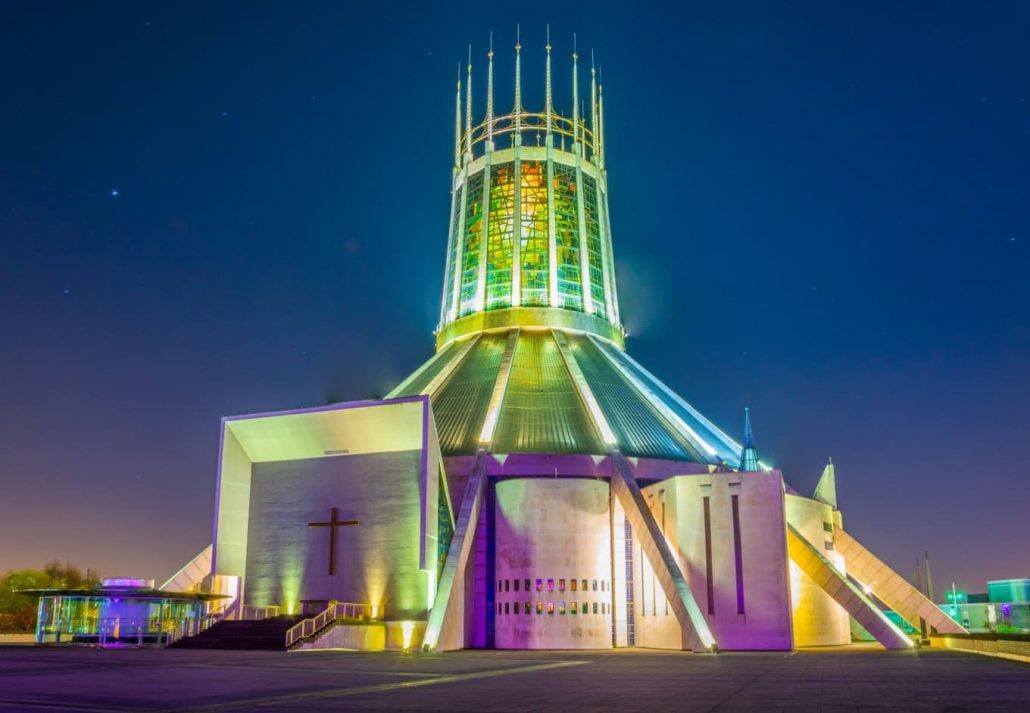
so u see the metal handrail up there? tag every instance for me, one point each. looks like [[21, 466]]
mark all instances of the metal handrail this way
[[251, 612], [336, 611]]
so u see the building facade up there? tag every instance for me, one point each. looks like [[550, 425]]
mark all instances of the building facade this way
[[531, 485]]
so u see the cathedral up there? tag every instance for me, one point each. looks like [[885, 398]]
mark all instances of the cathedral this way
[[531, 485]]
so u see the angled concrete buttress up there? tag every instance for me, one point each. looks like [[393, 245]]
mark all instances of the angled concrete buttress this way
[[693, 625], [812, 562], [444, 628], [890, 588]]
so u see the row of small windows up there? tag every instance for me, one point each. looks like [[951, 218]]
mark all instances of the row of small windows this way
[[512, 585], [550, 607]]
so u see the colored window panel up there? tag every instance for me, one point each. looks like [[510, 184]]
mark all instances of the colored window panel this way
[[561, 585], [533, 249], [539, 607], [574, 583], [566, 239], [473, 241], [539, 584], [550, 607], [561, 608], [527, 609], [592, 224], [573, 608], [550, 585], [500, 231]]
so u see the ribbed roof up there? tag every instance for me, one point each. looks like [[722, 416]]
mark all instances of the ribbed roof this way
[[542, 410]]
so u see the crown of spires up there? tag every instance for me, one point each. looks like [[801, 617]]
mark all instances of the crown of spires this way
[[585, 140], [748, 453]]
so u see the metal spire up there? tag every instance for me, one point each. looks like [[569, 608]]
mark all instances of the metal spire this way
[[468, 109], [593, 105], [490, 94], [457, 122], [547, 100], [518, 84], [600, 121], [575, 95], [748, 454]]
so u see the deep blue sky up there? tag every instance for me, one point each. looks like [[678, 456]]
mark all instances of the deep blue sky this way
[[819, 211]]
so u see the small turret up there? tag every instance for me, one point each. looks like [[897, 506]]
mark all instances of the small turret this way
[[748, 453]]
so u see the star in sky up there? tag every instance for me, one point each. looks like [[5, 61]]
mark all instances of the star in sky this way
[[115, 193]]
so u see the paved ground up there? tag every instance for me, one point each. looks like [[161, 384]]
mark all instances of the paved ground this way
[[629, 680]]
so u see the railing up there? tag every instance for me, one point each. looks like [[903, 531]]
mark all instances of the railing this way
[[250, 613], [190, 627], [336, 611]]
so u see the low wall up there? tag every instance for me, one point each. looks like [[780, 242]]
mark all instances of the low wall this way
[[359, 637], [1009, 646], [17, 638]]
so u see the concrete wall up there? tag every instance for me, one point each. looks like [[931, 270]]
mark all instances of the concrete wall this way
[[554, 531], [749, 613], [376, 562], [818, 619]]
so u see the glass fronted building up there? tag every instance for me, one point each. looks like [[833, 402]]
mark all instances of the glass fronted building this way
[[121, 611]]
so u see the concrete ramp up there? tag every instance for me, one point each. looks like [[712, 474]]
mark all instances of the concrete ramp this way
[[812, 562], [192, 573], [891, 588], [444, 630], [697, 636]]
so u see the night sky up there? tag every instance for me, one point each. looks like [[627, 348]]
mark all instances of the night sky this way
[[819, 212]]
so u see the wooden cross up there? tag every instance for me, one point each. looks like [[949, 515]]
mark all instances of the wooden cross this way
[[332, 524]]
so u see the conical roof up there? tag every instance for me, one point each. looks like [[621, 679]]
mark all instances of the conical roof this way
[[523, 387]]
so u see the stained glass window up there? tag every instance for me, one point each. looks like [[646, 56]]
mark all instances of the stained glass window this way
[[566, 225], [499, 236], [534, 245], [473, 240], [452, 259], [592, 224]]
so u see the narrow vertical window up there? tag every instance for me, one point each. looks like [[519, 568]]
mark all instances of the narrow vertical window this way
[[585, 585], [527, 585], [550, 607], [595, 607], [708, 554], [561, 585], [539, 584], [528, 608], [539, 607], [595, 585], [507, 585], [506, 608], [515, 608], [499, 584], [561, 607], [516, 583], [573, 609], [738, 555], [585, 608], [572, 584], [550, 585]]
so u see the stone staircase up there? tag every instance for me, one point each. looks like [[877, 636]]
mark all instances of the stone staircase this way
[[258, 634]]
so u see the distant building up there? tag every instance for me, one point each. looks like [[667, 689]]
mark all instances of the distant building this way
[[1005, 608], [532, 485]]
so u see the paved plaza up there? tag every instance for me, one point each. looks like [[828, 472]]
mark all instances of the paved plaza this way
[[627, 680]]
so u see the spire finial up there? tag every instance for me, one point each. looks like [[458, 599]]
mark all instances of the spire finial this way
[[490, 95], [575, 96], [600, 120], [593, 108], [547, 83], [748, 453], [457, 122], [468, 108], [518, 86]]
